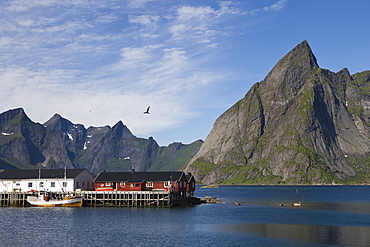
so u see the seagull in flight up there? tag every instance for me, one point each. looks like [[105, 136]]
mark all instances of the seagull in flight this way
[[147, 110]]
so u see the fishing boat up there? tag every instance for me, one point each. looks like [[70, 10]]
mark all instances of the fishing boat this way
[[44, 200]]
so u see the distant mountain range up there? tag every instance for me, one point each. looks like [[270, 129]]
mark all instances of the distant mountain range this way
[[59, 143], [301, 125]]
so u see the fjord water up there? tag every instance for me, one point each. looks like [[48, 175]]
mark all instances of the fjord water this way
[[329, 216]]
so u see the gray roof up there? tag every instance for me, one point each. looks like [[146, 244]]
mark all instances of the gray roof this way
[[138, 176], [42, 173]]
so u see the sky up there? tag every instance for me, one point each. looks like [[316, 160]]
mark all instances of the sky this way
[[99, 62]]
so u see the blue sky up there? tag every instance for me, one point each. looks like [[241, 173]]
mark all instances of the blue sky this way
[[98, 62]]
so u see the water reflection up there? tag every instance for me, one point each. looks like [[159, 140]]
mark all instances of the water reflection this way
[[355, 208], [319, 234]]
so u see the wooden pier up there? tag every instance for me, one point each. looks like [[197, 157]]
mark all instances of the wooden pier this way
[[126, 198], [105, 198], [16, 199]]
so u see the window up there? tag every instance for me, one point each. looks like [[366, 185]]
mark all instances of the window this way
[[77, 184], [108, 184], [52, 184], [29, 184], [41, 184], [64, 184], [167, 184], [122, 183], [134, 185], [149, 184], [18, 184]]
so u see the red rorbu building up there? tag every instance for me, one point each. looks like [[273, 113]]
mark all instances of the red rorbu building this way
[[145, 181]]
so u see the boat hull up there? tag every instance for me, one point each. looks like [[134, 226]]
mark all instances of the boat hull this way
[[71, 202], [105, 189]]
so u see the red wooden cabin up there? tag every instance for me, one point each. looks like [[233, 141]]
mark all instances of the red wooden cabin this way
[[141, 181], [190, 185]]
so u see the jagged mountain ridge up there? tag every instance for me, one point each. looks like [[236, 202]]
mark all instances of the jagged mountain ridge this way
[[301, 125], [59, 143]]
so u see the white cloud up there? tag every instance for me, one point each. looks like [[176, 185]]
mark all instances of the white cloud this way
[[202, 23], [137, 56], [187, 13], [97, 62], [274, 7], [139, 3], [25, 22], [42, 95], [229, 7], [26, 5], [106, 18], [146, 20], [86, 48], [189, 20]]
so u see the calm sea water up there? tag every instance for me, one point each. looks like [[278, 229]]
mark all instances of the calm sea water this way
[[329, 216]]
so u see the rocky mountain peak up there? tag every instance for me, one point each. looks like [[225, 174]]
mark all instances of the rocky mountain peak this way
[[301, 125], [9, 115], [57, 122], [121, 131], [19, 136], [291, 72], [11, 122]]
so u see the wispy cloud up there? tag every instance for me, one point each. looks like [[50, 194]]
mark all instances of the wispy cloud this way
[[96, 62], [274, 7], [149, 21], [200, 23]]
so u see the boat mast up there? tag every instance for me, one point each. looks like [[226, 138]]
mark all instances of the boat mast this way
[[299, 199]]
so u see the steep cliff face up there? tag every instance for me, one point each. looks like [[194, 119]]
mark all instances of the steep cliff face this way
[[300, 125], [59, 143]]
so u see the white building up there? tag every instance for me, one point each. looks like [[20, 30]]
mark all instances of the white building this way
[[66, 180]]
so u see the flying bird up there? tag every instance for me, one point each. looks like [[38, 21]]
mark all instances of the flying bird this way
[[147, 110]]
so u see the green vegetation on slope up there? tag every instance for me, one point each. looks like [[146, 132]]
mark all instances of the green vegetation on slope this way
[[173, 159]]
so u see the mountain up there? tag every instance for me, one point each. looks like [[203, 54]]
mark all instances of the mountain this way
[[59, 143], [301, 125]]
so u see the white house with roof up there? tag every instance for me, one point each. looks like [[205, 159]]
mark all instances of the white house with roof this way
[[55, 180]]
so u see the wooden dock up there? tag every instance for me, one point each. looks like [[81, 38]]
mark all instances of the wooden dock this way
[[126, 198], [105, 198], [16, 199]]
